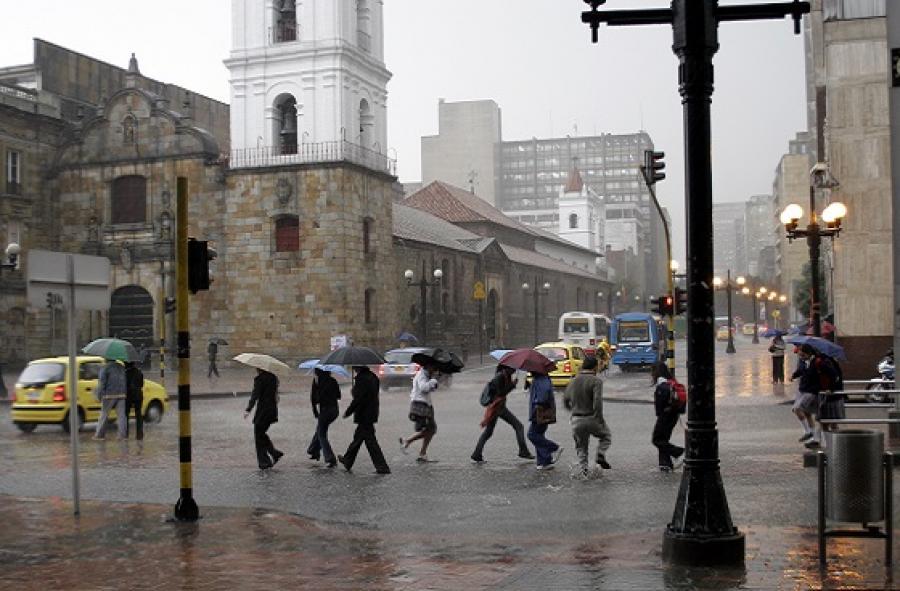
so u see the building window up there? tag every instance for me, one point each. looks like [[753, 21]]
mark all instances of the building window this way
[[445, 303], [573, 220], [287, 234], [129, 200], [13, 172], [370, 305], [13, 234], [367, 235], [445, 278], [285, 21], [286, 124]]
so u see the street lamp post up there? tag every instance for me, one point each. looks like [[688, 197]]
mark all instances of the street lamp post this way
[[832, 216], [536, 293], [728, 285], [12, 257], [423, 284]]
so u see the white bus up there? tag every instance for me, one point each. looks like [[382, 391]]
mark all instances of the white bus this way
[[584, 329]]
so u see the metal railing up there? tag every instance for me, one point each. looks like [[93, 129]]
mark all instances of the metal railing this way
[[285, 32], [313, 153]]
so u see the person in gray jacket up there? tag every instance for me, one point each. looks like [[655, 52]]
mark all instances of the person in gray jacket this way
[[110, 392], [584, 397]]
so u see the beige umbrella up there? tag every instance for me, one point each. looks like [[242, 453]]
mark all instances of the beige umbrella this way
[[263, 362]]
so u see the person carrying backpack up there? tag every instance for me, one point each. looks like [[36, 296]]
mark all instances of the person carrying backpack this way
[[669, 405], [497, 389], [831, 380]]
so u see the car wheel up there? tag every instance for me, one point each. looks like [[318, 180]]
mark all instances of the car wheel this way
[[26, 427], [154, 412], [65, 422]]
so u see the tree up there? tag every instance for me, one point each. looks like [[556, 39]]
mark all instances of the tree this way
[[803, 294]]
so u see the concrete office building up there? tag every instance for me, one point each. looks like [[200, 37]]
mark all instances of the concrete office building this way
[[760, 229], [728, 223]]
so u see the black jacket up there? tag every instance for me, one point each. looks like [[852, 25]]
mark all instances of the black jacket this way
[[325, 392], [809, 376], [265, 397], [364, 407], [134, 383]]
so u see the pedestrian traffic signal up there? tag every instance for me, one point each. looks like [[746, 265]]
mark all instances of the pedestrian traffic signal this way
[[199, 256], [680, 301], [654, 166], [662, 305]]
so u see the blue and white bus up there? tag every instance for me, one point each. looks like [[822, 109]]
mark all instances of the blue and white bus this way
[[639, 340]]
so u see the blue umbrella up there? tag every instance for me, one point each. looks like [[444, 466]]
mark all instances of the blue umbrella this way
[[498, 353], [408, 337], [772, 332], [311, 364], [821, 345]]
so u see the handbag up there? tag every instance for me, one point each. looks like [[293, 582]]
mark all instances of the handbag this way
[[487, 395], [544, 415]]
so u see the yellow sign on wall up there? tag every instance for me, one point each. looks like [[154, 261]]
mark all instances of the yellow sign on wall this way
[[478, 293]]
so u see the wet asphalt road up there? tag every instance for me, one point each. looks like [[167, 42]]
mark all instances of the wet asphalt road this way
[[505, 497]]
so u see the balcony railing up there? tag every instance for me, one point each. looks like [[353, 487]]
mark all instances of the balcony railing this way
[[317, 153], [13, 188], [285, 32]]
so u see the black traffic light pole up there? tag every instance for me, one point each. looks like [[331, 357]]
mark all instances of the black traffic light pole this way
[[701, 531]]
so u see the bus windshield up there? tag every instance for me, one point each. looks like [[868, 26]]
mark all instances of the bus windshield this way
[[576, 326], [634, 332]]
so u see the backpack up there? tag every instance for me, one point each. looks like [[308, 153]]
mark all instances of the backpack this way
[[487, 395], [831, 378], [678, 399]]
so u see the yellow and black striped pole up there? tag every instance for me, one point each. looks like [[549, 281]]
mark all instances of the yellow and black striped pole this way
[[186, 508]]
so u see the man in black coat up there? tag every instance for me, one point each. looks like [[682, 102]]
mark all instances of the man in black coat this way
[[134, 397], [265, 398], [364, 409]]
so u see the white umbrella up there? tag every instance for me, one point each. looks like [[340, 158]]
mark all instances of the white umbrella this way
[[263, 362]]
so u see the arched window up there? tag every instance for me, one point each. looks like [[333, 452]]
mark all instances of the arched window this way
[[370, 305], [286, 124], [367, 235], [366, 122], [285, 21], [573, 220], [287, 234], [129, 200]]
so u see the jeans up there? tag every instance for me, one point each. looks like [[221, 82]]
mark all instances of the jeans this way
[[137, 404], [513, 422], [320, 438], [582, 429], [662, 431], [543, 447], [106, 405], [265, 450], [365, 433]]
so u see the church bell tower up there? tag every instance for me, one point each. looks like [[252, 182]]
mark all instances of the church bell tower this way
[[306, 74]]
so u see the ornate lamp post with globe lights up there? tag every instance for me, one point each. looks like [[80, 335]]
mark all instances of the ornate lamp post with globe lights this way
[[423, 284], [536, 292]]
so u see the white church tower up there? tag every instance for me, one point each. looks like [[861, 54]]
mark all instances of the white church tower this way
[[308, 74], [581, 214]]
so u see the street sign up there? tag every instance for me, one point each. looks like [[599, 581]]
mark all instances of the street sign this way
[[48, 275], [478, 293]]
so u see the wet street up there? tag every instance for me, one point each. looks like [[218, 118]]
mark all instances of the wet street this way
[[446, 524]]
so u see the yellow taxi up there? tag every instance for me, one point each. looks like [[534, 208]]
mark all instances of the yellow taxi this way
[[41, 397], [722, 333], [748, 329], [568, 358]]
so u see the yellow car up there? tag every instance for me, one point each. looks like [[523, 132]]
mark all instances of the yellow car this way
[[568, 358], [747, 329], [722, 333], [41, 397]]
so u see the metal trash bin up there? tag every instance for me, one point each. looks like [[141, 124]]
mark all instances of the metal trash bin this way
[[855, 490]]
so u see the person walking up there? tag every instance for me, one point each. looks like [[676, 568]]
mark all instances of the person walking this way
[[421, 410], [542, 413], [806, 403], [667, 410], [134, 398], [265, 398], [111, 390], [324, 396], [364, 408], [777, 351], [500, 386], [212, 352], [584, 397]]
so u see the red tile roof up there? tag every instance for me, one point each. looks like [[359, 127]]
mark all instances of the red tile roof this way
[[575, 183]]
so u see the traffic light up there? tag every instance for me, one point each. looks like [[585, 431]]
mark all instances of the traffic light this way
[[680, 301], [654, 166], [662, 305], [199, 256]]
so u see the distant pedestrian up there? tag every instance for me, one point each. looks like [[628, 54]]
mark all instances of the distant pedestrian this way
[[212, 352], [324, 396], [806, 403], [111, 390], [584, 397], [500, 386], [265, 398], [777, 351], [364, 409], [542, 413], [421, 410], [667, 412], [134, 398]]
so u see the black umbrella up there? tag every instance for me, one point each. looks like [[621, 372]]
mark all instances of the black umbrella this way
[[455, 364], [445, 361], [352, 356]]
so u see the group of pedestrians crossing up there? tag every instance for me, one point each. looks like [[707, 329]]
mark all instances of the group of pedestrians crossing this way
[[120, 388]]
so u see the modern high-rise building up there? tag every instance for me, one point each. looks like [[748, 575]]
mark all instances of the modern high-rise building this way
[[728, 247], [760, 231]]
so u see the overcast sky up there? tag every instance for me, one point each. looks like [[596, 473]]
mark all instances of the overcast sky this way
[[533, 57]]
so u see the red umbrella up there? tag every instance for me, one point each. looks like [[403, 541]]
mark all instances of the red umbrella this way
[[528, 360]]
